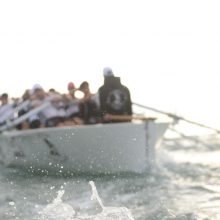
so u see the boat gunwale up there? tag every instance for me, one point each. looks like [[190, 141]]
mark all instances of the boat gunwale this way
[[75, 127]]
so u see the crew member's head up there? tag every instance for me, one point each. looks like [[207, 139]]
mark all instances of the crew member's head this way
[[107, 72]]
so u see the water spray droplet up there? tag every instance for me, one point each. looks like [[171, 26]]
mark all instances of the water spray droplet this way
[[11, 203]]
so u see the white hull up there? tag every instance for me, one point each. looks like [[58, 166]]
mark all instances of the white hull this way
[[108, 148]]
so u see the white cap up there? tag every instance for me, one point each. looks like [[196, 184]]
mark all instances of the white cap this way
[[107, 71], [36, 86]]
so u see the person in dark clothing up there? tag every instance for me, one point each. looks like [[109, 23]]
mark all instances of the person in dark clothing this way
[[114, 97], [89, 105]]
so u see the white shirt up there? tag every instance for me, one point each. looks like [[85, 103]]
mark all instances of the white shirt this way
[[6, 112]]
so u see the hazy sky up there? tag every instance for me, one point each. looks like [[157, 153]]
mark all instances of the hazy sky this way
[[166, 52]]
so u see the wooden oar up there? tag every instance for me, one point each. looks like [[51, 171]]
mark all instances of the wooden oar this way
[[24, 117], [176, 117], [109, 117]]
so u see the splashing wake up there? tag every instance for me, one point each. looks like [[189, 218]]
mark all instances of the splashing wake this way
[[61, 211]]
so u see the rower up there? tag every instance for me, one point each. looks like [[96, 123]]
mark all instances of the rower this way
[[6, 109], [89, 105], [52, 115], [73, 111]]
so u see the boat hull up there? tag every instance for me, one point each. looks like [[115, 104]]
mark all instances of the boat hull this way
[[102, 148]]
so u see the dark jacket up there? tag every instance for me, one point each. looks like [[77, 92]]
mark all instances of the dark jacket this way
[[90, 111], [114, 97]]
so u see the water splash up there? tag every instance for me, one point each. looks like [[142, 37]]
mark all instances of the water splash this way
[[58, 210], [95, 194], [109, 213], [62, 211]]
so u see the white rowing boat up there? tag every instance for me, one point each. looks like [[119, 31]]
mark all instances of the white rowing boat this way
[[100, 148]]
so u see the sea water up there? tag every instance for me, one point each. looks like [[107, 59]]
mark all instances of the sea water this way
[[184, 184]]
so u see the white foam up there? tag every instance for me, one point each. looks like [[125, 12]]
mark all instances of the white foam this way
[[109, 213], [62, 211], [58, 210]]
